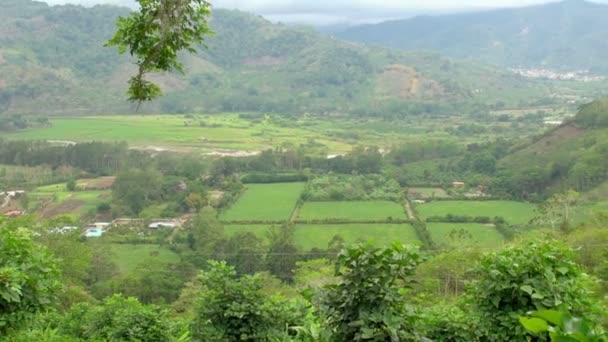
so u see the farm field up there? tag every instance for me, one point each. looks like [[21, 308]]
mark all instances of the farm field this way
[[311, 236], [513, 212], [127, 257], [318, 236], [54, 200], [231, 132], [265, 202], [351, 210], [427, 193], [482, 235]]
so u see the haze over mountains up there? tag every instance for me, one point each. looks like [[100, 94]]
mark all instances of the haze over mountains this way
[[52, 62], [568, 35]]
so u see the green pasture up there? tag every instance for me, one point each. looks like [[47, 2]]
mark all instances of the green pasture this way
[[513, 212], [265, 202], [318, 236], [127, 257], [226, 131], [352, 210], [481, 235], [311, 236]]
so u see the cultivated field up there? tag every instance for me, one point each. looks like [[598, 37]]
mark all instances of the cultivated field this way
[[265, 202], [318, 236], [481, 235], [226, 131], [127, 257], [311, 236], [352, 210], [513, 212], [54, 200]]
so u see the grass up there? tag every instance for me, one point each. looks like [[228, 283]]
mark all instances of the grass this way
[[427, 193], [482, 235], [352, 210], [318, 236], [513, 212], [218, 131], [265, 202], [127, 257]]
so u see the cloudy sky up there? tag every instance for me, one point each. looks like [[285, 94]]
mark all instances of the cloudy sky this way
[[329, 12]]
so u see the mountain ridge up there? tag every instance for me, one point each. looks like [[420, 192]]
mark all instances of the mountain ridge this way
[[54, 63], [567, 35]]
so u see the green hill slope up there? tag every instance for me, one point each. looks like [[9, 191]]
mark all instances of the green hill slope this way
[[569, 35], [573, 156], [52, 62]]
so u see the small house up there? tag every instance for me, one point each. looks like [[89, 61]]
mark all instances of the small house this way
[[458, 184], [161, 225], [101, 225]]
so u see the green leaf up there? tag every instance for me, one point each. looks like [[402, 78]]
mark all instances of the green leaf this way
[[533, 324], [552, 316], [527, 289]]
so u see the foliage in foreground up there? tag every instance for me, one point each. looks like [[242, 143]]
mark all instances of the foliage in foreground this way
[[28, 278], [367, 304], [562, 327], [526, 278]]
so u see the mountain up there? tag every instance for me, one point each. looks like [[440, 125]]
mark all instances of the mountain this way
[[52, 62], [569, 35]]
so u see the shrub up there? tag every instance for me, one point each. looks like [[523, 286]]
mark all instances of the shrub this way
[[520, 279], [366, 304]]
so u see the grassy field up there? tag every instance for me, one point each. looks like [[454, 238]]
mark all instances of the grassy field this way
[[427, 193], [513, 212], [311, 236], [482, 235], [318, 236], [270, 202], [128, 257], [352, 210], [226, 131]]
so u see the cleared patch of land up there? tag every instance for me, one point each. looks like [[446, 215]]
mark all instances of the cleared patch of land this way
[[127, 257], [476, 234], [54, 200], [513, 212], [265, 202], [352, 210], [427, 193]]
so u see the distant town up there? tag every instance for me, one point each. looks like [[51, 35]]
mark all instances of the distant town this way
[[581, 75]]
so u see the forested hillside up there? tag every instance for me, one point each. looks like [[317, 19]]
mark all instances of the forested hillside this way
[[572, 156], [569, 35], [52, 62]]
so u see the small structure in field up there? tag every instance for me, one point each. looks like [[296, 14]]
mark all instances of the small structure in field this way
[[101, 225], [93, 232], [458, 184], [63, 230], [160, 224], [419, 201]]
